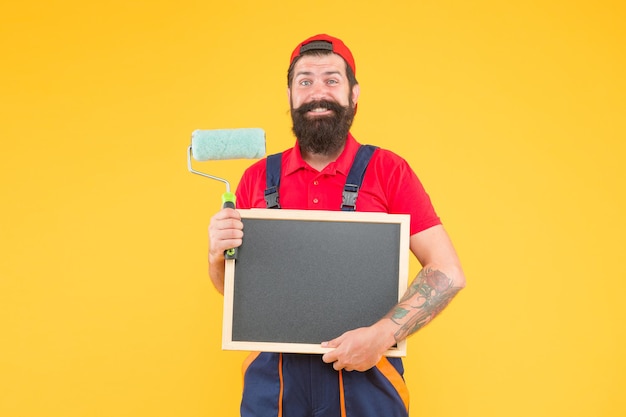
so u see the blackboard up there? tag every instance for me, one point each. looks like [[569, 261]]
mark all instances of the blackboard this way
[[302, 277]]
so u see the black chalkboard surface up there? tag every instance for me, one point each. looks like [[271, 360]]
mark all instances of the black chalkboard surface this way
[[303, 277]]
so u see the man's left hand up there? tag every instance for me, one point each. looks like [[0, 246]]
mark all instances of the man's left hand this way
[[359, 349]]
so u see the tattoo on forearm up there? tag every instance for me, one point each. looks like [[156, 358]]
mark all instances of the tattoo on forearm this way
[[427, 296]]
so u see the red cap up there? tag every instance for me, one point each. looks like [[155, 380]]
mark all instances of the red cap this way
[[328, 43]]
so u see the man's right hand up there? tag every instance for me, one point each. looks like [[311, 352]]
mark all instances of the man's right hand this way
[[225, 232]]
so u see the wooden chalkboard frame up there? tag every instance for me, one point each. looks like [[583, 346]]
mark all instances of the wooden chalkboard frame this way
[[253, 272]]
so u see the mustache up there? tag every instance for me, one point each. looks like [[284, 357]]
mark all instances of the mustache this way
[[326, 104]]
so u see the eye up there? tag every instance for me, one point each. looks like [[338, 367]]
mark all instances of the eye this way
[[332, 82], [305, 83]]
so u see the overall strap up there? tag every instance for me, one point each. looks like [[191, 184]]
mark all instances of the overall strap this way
[[355, 177], [350, 190], [272, 181]]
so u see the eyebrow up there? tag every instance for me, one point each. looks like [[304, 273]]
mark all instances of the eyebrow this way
[[324, 73]]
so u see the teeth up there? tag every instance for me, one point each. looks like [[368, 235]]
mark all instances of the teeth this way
[[319, 110]]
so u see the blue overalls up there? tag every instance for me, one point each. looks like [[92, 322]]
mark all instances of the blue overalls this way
[[297, 385]]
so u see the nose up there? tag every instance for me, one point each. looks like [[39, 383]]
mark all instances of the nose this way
[[319, 91]]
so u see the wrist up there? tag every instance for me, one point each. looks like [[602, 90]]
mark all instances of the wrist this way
[[215, 258], [386, 330]]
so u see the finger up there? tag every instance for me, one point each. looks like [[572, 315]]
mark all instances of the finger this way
[[228, 213], [227, 229], [217, 245], [333, 343], [329, 357], [333, 355], [225, 226], [222, 223]]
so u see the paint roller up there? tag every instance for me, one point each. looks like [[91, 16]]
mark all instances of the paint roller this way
[[222, 144]]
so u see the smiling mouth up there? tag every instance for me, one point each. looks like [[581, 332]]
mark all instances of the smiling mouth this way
[[319, 111]]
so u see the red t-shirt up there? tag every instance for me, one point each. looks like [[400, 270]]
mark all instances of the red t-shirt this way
[[389, 186]]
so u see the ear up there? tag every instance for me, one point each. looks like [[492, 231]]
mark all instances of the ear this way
[[356, 90], [289, 95]]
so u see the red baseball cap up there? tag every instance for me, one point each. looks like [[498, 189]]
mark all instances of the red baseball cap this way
[[328, 43]]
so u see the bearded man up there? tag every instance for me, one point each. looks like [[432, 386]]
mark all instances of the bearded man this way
[[354, 379]]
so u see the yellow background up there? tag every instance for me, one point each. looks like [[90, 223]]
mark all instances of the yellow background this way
[[512, 114]]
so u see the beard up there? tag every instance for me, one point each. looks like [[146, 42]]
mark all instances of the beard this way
[[323, 134]]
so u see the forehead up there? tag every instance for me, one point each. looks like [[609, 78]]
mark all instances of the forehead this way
[[320, 64]]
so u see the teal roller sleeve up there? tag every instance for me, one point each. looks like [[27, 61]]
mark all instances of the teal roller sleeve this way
[[219, 144]]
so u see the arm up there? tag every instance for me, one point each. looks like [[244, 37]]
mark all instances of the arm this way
[[440, 279], [225, 232]]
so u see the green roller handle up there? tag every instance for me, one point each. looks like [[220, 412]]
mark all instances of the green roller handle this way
[[228, 201]]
